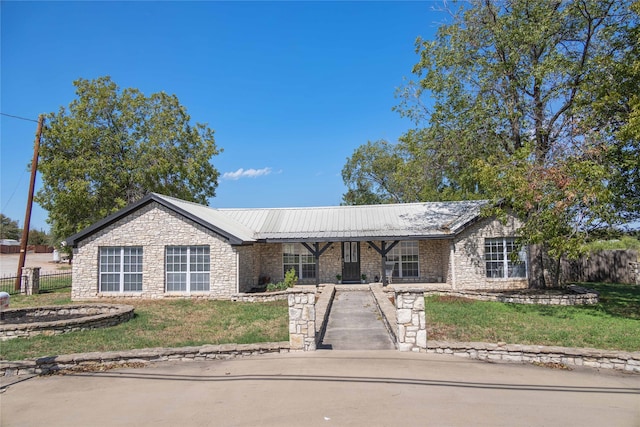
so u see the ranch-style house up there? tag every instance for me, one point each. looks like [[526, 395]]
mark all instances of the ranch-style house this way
[[166, 247]]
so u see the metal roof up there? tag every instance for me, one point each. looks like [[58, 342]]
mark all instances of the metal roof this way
[[372, 222], [213, 217], [316, 224]]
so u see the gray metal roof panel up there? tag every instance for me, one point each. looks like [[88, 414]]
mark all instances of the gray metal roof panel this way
[[371, 222], [213, 217], [344, 222]]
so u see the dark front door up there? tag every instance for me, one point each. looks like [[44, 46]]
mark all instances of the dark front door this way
[[351, 262]]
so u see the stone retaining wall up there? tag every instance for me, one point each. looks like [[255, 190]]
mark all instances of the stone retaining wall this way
[[85, 317], [580, 297], [323, 307], [387, 310], [593, 358], [260, 296], [89, 361]]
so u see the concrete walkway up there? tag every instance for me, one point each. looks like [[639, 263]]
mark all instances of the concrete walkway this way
[[327, 388], [355, 324]]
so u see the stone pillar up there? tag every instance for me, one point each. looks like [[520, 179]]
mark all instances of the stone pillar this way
[[412, 326], [635, 272], [32, 280], [302, 320]]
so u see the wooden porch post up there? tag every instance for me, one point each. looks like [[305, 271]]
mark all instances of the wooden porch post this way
[[383, 251]]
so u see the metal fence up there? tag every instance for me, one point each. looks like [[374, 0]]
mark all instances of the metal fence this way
[[48, 282], [51, 282], [7, 283]]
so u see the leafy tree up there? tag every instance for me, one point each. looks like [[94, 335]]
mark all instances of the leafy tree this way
[[370, 175], [406, 172], [113, 146], [509, 73], [531, 104], [9, 228], [615, 108], [38, 237]]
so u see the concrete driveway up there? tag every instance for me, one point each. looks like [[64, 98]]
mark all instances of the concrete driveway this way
[[9, 263], [325, 388]]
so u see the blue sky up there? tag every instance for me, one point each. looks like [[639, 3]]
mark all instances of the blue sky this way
[[290, 88]]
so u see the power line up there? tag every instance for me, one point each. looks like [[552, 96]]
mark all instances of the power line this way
[[18, 117]]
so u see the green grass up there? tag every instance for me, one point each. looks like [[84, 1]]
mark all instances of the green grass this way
[[612, 324], [7, 285], [624, 243], [163, 323]]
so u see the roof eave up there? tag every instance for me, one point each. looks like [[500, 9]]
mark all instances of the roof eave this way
[[149, 198], [355, 239]]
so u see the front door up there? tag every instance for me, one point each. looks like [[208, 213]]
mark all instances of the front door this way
[[350, 262]]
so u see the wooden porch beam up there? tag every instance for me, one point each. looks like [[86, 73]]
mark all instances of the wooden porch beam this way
[[383, 251], [316, 251]]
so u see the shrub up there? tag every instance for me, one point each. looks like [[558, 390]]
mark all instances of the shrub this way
[[273, 287], [290, 279]]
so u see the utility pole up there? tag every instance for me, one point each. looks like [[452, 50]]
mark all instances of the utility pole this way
[[27, 215]]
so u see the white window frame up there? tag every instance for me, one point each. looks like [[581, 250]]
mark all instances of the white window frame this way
[[297, 256], [498, 262], [400, 253], [188, 263], [123, 262]]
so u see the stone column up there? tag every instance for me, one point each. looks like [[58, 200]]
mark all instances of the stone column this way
[[635, 272], [302, 320], [412, 326], [32, 279]]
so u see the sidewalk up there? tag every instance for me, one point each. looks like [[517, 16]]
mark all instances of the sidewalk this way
[[355, 324]]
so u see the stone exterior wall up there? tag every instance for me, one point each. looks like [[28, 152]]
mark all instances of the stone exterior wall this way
[[468, 259], [433, 262], [331, 263], [153, 227], [248, 267], [237, 269], [271, 261]]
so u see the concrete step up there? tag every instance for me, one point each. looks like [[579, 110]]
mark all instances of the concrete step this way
[[355, 324]]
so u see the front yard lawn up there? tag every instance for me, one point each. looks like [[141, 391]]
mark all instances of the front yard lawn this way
[[158, 323], [613, 324]]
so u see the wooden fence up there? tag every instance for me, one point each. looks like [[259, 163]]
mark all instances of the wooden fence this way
[[15, 249], [610, 266]]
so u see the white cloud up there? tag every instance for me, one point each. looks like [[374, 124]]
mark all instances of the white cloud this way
[[248, 173]]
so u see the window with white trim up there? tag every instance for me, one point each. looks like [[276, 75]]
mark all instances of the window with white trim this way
[[405, 255], [503, 258], [296, 256], [187, 268], [120, 269]]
